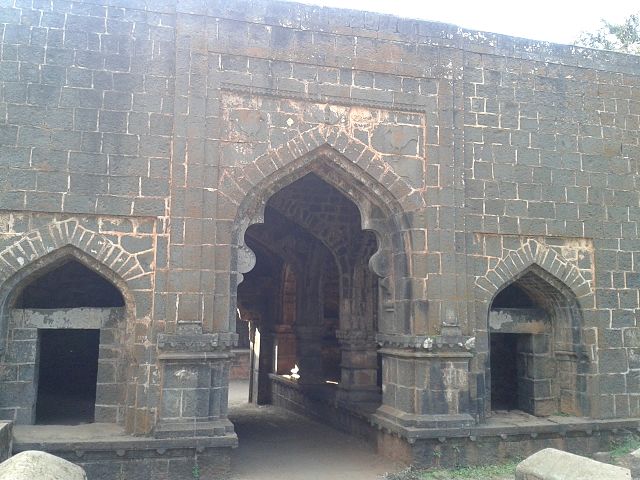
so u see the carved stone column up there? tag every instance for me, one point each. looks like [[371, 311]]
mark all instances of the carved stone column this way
[[309, 347], [359, 367], [262, 364], [194, 371]]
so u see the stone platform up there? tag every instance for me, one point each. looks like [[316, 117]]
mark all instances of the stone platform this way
[[107, 453], [505, 435]]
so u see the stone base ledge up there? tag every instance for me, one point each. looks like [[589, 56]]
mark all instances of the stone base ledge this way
[[320, 403], [186, 429], [448, 448], [419, 426], [416, 427], [79, 443]]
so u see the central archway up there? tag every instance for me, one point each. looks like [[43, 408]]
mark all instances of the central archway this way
[[330, 314], [353, 257], [379, 212]]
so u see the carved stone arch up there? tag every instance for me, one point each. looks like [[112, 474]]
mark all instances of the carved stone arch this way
[[382, 197], [41, 250], [377, 202], [40, 242], [532, 253], [352, 155], [12, 287], [556, 287]]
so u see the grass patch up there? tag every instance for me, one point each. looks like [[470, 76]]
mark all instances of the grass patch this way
[[483, 472], [621, 448]]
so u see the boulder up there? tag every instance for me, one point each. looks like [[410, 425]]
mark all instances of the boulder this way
[[32, 465], [552, 464]]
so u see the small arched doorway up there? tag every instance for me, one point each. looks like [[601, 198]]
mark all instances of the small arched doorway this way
[[65, 325], [536, 346]]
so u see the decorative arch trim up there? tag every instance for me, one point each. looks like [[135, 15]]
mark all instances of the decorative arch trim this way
[[382, 197], [237, 183], [519, 261], [379, 193], [45, 240], [55, 242]]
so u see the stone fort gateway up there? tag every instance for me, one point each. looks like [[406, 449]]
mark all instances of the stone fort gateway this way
[[438, 227]]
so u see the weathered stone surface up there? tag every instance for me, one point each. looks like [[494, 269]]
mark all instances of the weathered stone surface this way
[[34, 464], [6, 438], [170, 148], [552, 464]]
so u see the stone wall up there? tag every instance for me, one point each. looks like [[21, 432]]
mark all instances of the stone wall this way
[[143, 139]]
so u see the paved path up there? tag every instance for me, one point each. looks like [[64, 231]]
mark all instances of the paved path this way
[[279, 445]]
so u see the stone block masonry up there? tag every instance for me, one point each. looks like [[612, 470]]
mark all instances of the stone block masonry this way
[[395, 186]]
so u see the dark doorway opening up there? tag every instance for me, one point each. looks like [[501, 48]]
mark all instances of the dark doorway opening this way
[[70, 285], [504, 371], [68, 373]]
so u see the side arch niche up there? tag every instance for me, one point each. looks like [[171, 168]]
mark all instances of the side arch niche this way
[[64, 318], [537, 359]]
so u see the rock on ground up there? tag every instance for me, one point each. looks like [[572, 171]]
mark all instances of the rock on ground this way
[[552, 464], [32, 465]]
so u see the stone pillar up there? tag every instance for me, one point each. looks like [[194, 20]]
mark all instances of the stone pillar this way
[[285, 340], [309, 347], [194, 370], [359, 367], [264, 363], [425, 384]]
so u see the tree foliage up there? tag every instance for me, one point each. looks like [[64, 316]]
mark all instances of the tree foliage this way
[[621, 37]]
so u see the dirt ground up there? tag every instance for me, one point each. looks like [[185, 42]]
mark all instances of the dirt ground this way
[[276, 444], [279, 445]]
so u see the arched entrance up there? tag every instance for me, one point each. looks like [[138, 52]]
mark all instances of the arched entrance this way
[[312, 297], [65, 322], [333, 221], [536, 347]]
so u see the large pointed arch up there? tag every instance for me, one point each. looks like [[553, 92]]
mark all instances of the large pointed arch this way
[[382, 197], [380, 210], [336, 147]]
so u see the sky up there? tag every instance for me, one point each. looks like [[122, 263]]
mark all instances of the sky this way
[[558, 21]]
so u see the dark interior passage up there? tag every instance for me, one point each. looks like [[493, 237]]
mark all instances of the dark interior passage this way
[[311, 297], [513, 297], [68, 373], [504, 371]]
